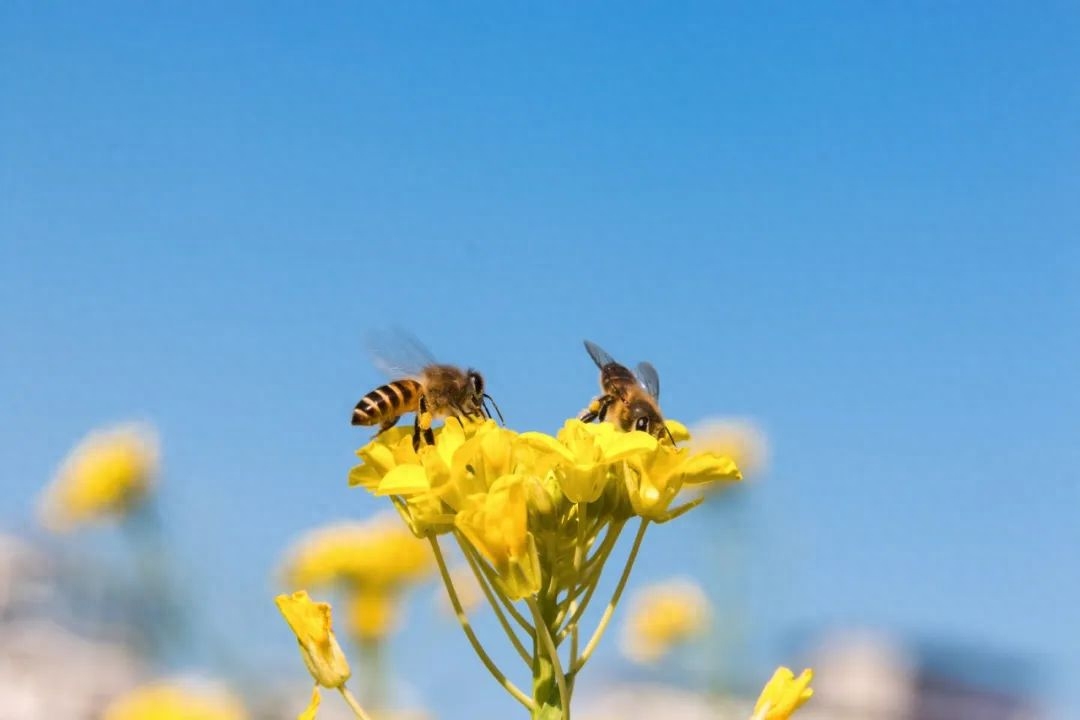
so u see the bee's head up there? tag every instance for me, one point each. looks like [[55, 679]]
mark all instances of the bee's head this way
[[644, 417], [477, 396], [476, 384]]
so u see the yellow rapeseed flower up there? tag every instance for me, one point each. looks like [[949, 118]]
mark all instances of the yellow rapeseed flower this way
[[105, 477], [497, 526], [311, 623], [509, 494], [663, 616], [783, 695], [539, 516], [175, 701]]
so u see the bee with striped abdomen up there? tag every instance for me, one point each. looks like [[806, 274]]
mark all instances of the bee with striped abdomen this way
[[422, 386], [631, 400]]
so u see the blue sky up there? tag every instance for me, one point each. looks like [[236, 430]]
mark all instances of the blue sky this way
[[856, 224]]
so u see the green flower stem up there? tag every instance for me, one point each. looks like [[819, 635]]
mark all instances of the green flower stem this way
[[544, 634], [496, 605], [580, 547], [463, 620], [550, 690], [573, 646], [353, 704], [610, 609]]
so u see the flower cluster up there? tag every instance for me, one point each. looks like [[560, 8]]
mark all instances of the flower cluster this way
[[537, 517], [528, 501]]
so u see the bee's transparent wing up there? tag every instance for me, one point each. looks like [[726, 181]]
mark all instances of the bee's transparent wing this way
[[397, 353], [648, 377], [598, 354]]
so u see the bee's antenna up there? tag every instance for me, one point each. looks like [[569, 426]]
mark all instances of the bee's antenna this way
[[488, 397], [670, 436]]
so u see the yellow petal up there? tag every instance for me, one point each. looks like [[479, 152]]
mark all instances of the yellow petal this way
[[619, 446], [783, 694], [546, 444], [678, 431], [707, 467], [404, 480]]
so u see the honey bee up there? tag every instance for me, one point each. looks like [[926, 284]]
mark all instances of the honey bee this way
[[423, 386], [629, 399]]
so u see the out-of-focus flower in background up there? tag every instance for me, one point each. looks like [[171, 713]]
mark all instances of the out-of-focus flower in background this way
[[738, 438], [105, 477], [663, 616], [783, 695], [373, 562], [176, 700]]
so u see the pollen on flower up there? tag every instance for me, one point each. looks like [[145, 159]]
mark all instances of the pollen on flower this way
[[105, 477]]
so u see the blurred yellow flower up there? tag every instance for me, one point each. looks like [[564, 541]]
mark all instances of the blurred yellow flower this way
[[663, 616], [372, 613], [311, 623], [740, 439], [376, 553], [783, 695], [106, 476], [374, 562], [175, 701]]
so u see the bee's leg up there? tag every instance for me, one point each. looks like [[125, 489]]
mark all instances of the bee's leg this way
[[597, 408], [605, 407], [422, 423], [386, 425]]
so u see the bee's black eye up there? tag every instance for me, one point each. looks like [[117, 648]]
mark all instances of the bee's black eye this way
[[477, 382], [642, 424]]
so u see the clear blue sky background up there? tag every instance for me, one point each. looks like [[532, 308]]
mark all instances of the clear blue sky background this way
[[856, 223]]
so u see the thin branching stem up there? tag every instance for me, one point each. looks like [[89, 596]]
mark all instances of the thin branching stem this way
[[610, 609], [473, 554], [463, 620], [496, 605], [353, 704], [589, 586]]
